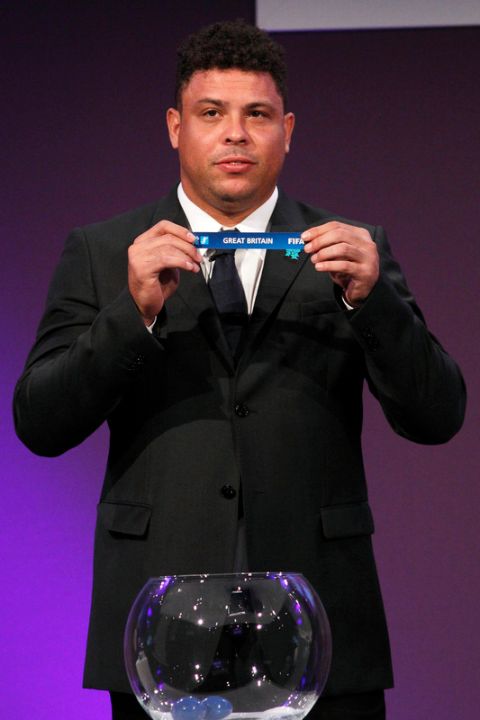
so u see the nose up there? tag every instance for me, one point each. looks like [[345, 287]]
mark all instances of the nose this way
[[235, 131]]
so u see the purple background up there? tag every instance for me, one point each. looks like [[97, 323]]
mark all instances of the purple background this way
[[387, 132]]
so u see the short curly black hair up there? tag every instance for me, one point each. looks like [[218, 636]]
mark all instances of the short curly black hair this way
[[231, 44]]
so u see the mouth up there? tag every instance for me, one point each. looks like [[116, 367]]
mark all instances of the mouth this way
[[235, 164]]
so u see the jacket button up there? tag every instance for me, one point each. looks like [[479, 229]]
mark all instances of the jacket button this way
[[228, 492], [241, 410]]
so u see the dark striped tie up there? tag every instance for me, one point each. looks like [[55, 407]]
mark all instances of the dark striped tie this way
[[227, 292]]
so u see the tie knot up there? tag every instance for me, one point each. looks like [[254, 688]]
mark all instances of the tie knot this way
[[221, 253]]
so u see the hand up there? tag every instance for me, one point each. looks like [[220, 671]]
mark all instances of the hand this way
[[154, 261], [348, 253]]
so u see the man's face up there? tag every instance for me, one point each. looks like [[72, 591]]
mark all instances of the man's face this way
[[232, 135]]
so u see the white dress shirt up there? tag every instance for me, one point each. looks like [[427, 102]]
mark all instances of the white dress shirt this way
[[249, 262]]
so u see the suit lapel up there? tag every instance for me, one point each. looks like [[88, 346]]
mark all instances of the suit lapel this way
[[194, 292], [279, 273], [193, 289]]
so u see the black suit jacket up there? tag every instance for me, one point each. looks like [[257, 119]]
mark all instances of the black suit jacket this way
[[185, 422]]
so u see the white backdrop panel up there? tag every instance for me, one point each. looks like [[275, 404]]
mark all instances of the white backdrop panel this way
[[363, 14]]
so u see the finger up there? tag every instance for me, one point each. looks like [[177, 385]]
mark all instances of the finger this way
[[170, 257], [333, 233], [155, 244], [338, 251], [146, 266], [340, 267], [319, 230], [166, 227], [173, 241]]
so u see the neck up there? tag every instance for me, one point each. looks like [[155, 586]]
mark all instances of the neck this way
[[226, 218], [227, 211]]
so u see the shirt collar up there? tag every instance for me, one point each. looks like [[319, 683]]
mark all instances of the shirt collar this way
[[199, 220]]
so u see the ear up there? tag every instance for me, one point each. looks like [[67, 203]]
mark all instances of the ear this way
[[173, 125], [288, 125]]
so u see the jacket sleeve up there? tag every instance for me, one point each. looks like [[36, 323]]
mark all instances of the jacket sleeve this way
[[418, 384], [84, 358]]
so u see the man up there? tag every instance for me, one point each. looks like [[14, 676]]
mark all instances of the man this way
[[234, 443]]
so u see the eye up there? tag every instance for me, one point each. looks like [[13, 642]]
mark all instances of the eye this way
[[211, 113], [257, 113]]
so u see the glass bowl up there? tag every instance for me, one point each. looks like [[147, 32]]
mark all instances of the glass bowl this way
[[209, 647]]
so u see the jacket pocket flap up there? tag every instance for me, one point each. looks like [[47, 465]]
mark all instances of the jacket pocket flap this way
[[340, 521], [125, 518]]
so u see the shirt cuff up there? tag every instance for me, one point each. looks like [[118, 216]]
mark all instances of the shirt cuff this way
[[150, 327], [347, 305]]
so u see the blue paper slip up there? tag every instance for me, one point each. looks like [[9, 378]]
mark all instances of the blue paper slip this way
[[249, 241]]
